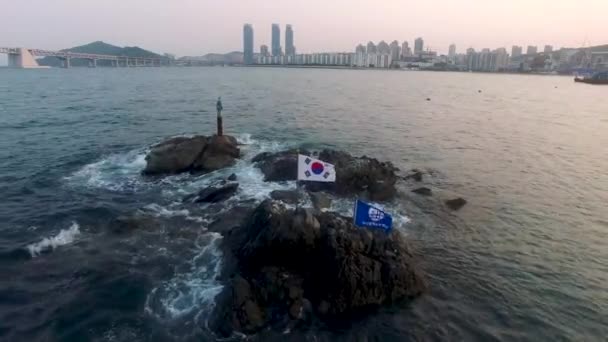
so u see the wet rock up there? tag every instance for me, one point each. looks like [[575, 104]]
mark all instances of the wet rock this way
[[281, 166], [456, 203], [226, 222], [215, 194], [174, 155], [424, 191], [320, 200], [220, 152], [415, 175], [286, 196], [128, 223], [191, 154], [295, 263], [354, 176], [232, 177]]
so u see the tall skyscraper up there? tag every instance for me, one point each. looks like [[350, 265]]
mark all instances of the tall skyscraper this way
[[276, 40], [264, 51], [405, 49], [418, 46], [452, 51], [516, 51], [395, 51], [384, 48], [290, 50], [371, 48], [548, 49], [532, 50], [248, 44]]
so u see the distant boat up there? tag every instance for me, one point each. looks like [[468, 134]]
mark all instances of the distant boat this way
[[597, 78]]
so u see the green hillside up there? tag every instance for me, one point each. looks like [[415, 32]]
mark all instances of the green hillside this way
[[99, 48]]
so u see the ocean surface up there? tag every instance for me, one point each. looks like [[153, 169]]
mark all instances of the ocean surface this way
[[525, 260]]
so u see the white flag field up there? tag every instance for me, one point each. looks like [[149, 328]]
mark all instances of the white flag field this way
[[315, 170]]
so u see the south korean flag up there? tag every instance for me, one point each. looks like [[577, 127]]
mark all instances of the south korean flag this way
[[315, 170]]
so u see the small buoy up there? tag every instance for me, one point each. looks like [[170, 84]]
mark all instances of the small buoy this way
[[428, 99]]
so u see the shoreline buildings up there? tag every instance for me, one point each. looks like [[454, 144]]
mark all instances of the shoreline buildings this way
[[401, 56]]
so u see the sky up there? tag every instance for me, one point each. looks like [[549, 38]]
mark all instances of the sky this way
[[196, 27]]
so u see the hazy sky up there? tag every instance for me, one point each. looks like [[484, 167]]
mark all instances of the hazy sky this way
[[195, 27]]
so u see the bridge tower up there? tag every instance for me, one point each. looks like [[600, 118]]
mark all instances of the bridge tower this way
[[22, 59]]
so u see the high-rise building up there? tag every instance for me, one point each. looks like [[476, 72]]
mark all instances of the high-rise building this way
[[276, 40], [532, 50], [452, 51], [290, 49], [548, 49], [371, 48], [248, 44], [405, 50], [384, 48], [395, 51], [418, 46], [264, 51], [516, 51]]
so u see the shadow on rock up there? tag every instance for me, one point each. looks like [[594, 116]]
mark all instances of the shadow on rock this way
[[293, 266]]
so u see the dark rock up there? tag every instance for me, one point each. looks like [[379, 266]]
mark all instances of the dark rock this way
[[359, 176], [127, 224], [415, 175], [456, 203], [232, 177], [320, 200], [424, 191], [281, 166], [293, 262], [231, 219], [174, 155], [216, 193], [286, 196], [220, 152], [354, 176], [198, 153]]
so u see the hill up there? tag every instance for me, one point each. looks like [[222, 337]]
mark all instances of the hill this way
[[99, 48]]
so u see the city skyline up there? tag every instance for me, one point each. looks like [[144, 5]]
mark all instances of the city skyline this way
[[203, 27]]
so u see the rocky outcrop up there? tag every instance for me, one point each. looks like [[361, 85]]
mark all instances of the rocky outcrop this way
[[278, 167], [362, 176], [415, 175], [198, 153], [295, 264], [214, 193], [456, 203], [286, 196], [424, 191], [320, 200]]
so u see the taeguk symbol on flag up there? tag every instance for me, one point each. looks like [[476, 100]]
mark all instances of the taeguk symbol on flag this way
[[366, 215], [311, 169]]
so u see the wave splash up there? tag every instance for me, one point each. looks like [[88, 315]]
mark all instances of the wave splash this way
[[64, 237], [190, 295]]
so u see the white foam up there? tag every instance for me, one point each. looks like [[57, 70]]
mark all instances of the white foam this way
[[64, 237], [117, 172], [158, 210], [193, 292]]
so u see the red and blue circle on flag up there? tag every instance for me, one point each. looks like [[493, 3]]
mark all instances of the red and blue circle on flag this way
[[317, 168]]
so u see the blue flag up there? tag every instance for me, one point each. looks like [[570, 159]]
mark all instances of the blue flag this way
[[369, 216]]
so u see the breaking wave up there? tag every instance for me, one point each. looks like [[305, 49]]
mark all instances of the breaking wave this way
[[191, 293], [64, 237]]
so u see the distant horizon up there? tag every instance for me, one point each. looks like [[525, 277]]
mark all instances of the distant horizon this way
[[201, 27]]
